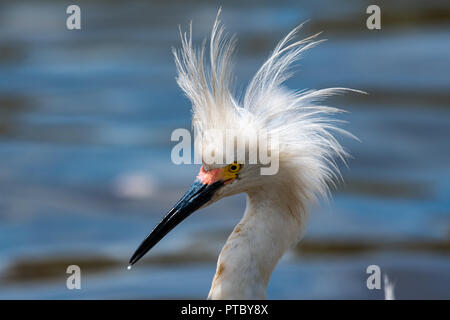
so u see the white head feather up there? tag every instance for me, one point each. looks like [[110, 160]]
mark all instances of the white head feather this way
[[307, 146]]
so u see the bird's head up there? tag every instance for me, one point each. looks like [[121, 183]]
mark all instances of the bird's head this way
[[306, 147], [212, 183]]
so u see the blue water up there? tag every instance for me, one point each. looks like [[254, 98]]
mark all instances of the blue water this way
[[85, 170]]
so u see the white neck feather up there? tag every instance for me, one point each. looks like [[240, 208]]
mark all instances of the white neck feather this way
[[267, 229]]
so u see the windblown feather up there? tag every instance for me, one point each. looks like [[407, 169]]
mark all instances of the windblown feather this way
[[307, 145]]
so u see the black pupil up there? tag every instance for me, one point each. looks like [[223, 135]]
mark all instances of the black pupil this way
[[233, 168]]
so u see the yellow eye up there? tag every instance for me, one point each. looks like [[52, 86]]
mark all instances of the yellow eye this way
[[234, 167]]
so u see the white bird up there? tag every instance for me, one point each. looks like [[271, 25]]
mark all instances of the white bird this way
[[277, 204]]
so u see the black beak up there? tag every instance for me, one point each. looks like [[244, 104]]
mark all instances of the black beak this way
[[197, 195]]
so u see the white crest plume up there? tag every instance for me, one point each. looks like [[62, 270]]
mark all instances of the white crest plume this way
[[307, 146]]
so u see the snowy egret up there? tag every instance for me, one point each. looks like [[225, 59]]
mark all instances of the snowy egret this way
[[277, 204]]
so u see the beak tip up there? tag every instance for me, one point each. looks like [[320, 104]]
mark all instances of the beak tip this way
[[133, 260], [195, 198]]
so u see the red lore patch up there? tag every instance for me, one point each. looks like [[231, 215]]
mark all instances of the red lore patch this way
[[209, 177]]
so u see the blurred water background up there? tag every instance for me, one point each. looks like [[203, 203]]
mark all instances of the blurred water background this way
[[85, 170]]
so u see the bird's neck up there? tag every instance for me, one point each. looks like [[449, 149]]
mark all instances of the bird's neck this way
[[268, 228]]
